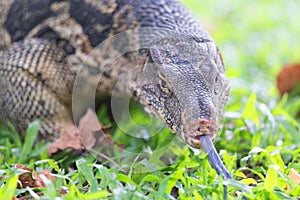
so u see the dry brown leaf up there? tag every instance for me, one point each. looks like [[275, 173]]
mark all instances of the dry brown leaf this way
[[295, 176], [83, 137], [288, 78], [63, 192], [92, 132], [31, 178], [69, 140], [26, 178]]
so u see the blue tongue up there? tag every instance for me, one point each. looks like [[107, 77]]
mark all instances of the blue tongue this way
[[215, 160]]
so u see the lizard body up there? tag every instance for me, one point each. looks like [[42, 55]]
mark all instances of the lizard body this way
[[45, 42], [65, 32]]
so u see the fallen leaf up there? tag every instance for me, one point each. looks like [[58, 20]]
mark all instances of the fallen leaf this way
[[295, 176], [288, 78], [89, 132], [92, 132], [63, 192], [25, 179], [69, 140], [32, 179]]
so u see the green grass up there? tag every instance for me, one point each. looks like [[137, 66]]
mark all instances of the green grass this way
[[259, 141]]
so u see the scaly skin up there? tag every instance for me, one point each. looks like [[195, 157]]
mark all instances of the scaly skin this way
[[44, 43]]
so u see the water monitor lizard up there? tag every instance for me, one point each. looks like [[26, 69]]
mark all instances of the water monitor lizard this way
[[45, 42]]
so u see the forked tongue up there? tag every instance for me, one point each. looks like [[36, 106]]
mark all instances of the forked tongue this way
[[215, 160]]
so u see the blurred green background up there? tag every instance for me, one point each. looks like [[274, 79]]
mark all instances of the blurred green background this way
[[255, 37]]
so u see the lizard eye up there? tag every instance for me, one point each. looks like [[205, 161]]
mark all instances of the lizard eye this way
[[163, 86]]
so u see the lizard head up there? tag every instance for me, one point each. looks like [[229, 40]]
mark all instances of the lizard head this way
[[187, 89]]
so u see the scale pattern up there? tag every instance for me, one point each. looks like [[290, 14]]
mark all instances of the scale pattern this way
[[44, 43]]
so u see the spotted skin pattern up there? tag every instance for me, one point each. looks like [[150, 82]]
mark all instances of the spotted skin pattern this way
[[45, 42]]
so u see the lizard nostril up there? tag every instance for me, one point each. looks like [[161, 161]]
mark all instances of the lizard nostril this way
[[202, 127]]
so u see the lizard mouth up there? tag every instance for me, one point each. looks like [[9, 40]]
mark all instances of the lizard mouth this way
[[199, 128]]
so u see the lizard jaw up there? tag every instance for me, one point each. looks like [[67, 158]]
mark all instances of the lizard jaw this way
[[197, 129]]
